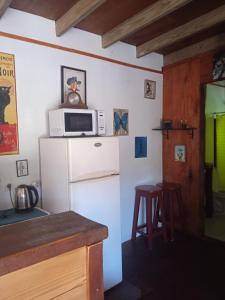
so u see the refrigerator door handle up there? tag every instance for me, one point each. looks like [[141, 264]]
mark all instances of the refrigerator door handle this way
[[100, 176]]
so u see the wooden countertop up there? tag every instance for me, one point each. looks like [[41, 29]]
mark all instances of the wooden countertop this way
[[32, 241]]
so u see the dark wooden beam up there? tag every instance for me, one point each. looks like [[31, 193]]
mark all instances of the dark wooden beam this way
[[213, 43], [203, 22], [76, 14], [146, 17], [4, 4]]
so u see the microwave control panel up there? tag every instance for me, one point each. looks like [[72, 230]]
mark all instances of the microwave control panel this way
[[101, 122]]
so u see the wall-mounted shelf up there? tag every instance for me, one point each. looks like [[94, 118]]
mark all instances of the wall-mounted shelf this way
[[166, 130]]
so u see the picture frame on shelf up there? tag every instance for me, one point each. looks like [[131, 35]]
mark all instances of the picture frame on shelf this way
[[149, 89], [73, 87]]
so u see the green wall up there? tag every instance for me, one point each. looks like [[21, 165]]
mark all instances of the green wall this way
[[215, 102]]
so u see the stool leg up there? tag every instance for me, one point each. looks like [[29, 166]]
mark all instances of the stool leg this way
[[156, 216], [149, 221], [161, 203], [136, 213], [171, 217], [166, 201], [180, 209]]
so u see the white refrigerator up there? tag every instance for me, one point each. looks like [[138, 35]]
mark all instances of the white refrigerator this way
[[82, 174]]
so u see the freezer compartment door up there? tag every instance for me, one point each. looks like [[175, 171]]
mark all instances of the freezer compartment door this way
[[99, 200], [93, 158]]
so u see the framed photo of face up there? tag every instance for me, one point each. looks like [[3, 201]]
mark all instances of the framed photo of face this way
[[73, 86], [150, 89]]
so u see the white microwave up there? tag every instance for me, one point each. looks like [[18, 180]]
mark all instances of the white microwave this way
[[76, 122]]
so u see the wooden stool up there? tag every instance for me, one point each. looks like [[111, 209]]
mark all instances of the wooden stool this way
[[154, 198], [171, 193]]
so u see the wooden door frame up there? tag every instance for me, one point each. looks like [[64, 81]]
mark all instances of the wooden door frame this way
[[202, 156], [202, 149]]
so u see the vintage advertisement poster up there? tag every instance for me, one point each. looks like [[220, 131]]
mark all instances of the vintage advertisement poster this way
[[8, 111]]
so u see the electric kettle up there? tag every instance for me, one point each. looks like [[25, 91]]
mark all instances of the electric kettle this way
[[26, 198]]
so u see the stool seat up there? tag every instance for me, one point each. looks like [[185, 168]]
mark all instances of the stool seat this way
[[153, 196], [145, 189], [148, 188], [169, 185]]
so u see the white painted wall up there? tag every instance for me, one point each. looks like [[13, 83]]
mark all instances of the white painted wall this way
[[108, 86]]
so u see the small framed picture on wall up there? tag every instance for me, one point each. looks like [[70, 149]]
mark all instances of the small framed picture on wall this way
[[150, 89], [180, 153], [140, 146], [22, 168], [120, 121]]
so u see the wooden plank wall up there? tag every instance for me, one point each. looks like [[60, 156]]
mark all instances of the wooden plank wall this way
[[183, 101]]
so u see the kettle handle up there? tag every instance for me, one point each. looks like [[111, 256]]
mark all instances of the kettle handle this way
[[31, 189]]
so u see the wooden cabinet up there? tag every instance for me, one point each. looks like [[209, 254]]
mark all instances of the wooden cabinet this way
[[74, 273]]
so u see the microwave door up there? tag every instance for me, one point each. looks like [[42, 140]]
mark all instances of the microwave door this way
[[79, 123]]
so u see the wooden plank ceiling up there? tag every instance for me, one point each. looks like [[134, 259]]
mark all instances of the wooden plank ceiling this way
[[162, 26]]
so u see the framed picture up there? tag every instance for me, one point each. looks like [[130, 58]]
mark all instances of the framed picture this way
[[150, 89], [219, 66], [120, 121], [9, 139], [180, 153], [22, 167], [73, 86], [140, 146]]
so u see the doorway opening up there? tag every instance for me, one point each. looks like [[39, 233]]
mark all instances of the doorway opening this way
[[214, 160]]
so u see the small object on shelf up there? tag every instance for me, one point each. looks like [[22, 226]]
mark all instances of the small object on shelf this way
[[183, 124], [166, 124]]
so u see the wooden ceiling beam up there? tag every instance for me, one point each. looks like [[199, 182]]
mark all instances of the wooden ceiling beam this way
[[4, 4], [76, 14], [203, 22], [146, 17], [213, 43]]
